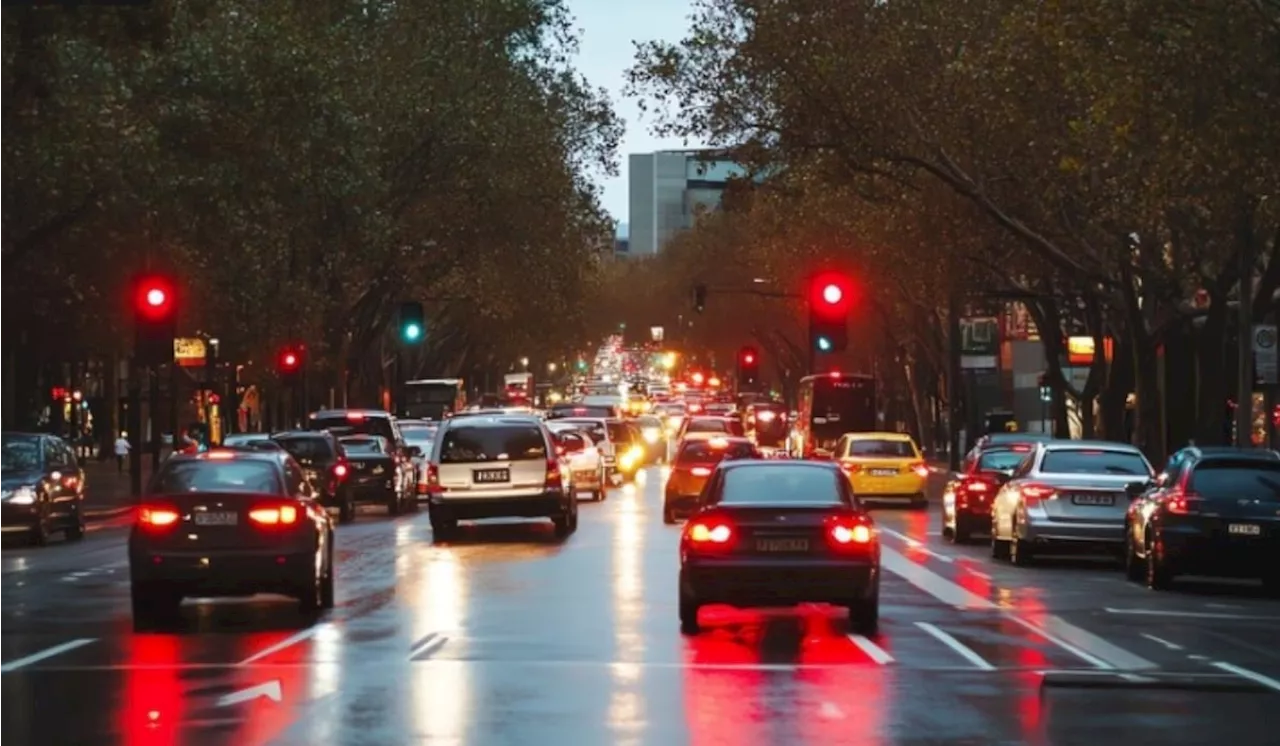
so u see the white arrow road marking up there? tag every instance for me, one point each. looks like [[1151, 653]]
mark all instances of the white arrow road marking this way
[[270, 689]]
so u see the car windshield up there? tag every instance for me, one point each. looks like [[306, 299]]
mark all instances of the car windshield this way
[[883, 448], [364, 446], [423, 439], [1239, 480], [242, 475], [780, 484], [1000, 460], [21, 453], [1093, 461], [355, 423], [714, 451], [593, 428], [504, 443]]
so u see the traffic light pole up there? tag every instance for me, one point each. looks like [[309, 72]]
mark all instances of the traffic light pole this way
[[153, 415], [173, 403], [954, 373], [133, 423]]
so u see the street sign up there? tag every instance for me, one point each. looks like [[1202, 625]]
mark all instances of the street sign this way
[[1265, 354], [656, 333], [189, 351]]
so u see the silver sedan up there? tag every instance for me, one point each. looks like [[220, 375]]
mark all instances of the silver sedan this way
[[1067, 494]]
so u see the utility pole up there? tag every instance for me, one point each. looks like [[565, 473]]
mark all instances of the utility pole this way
[[954, 384], [1244, 351]]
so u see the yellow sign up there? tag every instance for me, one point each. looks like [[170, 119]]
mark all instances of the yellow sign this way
[[189, 350]]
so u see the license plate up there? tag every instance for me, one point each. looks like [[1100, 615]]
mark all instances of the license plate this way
[[782, 545], [1244, 529], [222, 518], [489, 476], [1093, 499], [884, 472]]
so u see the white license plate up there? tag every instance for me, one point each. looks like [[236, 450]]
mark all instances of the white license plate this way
[[884, 472], [490, 476], [782, 545], [1244, 529], [221, 518], [1093, 499]]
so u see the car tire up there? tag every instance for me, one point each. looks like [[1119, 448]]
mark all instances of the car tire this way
[[39, 533], [75, 531], [394, 503], [442, 529], [310, 591], [346, 511], [864, 615], [689, 615], [565, 524], [152, 604], [1158, 577], [1134, 569], [327, 596], [961, 534], [919, 502], [999, 547], [668, 516], [1020, 553]]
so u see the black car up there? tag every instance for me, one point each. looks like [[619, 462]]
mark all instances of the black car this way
[[324, 462], [43, 487], [1215, 513], [774, 533], [376, 473], [229, 523], [967, 498]]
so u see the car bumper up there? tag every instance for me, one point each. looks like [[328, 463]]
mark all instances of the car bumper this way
[[15, 518], [542, 505], [1043, 530], [900, 487], [587, 479], [680, 505], [1221, 556], [222, 573], [753, 583]]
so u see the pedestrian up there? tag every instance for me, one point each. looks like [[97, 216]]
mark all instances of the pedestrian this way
[[122, 448]]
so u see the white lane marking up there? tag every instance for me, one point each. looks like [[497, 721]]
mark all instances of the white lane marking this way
[[270, 689], [1198, 657], [289, 641], [916, 544], [427, 645], [1166, 643], [1193, 614], [46, 653], [873, 651], [1085, 645], [830, 711], [1253, 676], [930, 582], [963, 650], [1224, 606]]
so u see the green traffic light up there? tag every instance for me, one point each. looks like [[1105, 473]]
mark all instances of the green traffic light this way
[[824, 344], [412, 332]]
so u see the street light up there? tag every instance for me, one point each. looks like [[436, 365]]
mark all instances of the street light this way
[[524, 361], [551, 367]]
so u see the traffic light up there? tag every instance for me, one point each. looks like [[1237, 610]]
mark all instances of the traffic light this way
[[290, 363], [155, 320], [748, 366], [699, 298], [412, 326], [829, 301]]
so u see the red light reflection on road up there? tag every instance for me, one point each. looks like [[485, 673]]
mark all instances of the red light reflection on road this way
[[723, 707], [842, 705], [917, 526], [978, 585], [153, 704], [825, 642], [1032, 660]]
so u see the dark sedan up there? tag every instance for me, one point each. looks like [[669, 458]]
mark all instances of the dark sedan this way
[[780, 533], [229, 523], [43, 490]]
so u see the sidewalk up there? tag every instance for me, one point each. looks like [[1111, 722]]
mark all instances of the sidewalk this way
[[107, 492]]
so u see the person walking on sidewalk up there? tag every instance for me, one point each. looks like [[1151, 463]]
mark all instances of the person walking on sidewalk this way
[[122, 450]]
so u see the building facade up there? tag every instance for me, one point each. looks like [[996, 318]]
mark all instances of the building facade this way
[[666, 192]]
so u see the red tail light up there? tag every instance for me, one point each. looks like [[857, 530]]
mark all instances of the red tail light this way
[[709, 532], [1184, 504], [973, 485], [921, 469], [340, 470], [553, 474], [433, 480], [276, 515], [846, 531], [700, 471], [1032, 494], [157, 517], [850, 467]]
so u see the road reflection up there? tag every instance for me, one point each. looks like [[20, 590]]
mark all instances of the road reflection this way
[[626, 706], [842, 706], [441, 700], [724, 707], [153, 693]]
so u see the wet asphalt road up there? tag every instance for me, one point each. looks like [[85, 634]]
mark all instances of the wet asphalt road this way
[[509, 637]]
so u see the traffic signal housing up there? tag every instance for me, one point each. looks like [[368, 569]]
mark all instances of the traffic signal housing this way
[[748, 366], [699, 298], [289, 364], [155, 320], [413, 327], [829, 302]]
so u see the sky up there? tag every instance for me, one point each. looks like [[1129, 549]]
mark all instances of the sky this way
[[609, 28]]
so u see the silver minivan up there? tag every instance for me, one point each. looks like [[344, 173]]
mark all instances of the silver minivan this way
[[501, 466]]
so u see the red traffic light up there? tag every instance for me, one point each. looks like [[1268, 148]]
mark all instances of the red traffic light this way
[[832, 293], [747, 355], [290, 360], [748, 358], [154, 298]]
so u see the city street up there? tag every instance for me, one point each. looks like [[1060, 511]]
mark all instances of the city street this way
[[509, 637]]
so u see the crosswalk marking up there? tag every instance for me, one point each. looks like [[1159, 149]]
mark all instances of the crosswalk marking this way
[[873, 651], [964, 651]]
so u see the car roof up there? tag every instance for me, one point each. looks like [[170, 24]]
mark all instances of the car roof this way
[[230, 454], [731, 439], [1238, 454], [1089, 445], [303, 434], [776, 463], [366, 413], [496, 420], [1021, 437], [897, 437]]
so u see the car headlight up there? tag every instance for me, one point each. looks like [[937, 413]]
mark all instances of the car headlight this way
[[651, 434], [21, 496]]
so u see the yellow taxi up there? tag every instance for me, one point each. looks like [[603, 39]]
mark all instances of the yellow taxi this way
[[884, 466], [696, 457]]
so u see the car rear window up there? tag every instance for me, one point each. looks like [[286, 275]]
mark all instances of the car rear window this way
[[711, 452], [1238, 480], [463, 445], [355, 424], [363, 446], [1000, 460], [1093, 461], [619, 432], [307, 450], [233, 475], [421, 438], [780, 484], [245, 438], [884, 448]]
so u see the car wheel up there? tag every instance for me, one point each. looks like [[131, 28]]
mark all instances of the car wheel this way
[[442, 529], [75, 531], [1134, 570], [668, 516], [310, 591], [326, 585], [563, 525], [394, 503], [152, 605], [39, 533], [1158, 576], [346, 511], [1020, 552], [864, 615], [999, 547], [688, 615], [920, 502]]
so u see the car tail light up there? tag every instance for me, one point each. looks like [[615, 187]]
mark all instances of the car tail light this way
[[1183, 504], [1032, 494], [553, 474], [157, 517], [278, 515], [709, 532], [921, 469], [700, 471], [340, 471], [433, 479], [845, 531], [850, 467], [974, 485]]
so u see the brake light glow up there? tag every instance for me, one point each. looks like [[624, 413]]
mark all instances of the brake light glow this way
[[220, 455], [1183, 504], [976, 487], [1032, 494], [718, 443], [340, 471], [1020, 448], [850, 467], [921, 469], [553, 474], [157, 517], [285, 515], [767, 416], [710, 532], [700, 471]]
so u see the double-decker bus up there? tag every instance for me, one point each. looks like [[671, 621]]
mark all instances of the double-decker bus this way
[[832, 404], [433, 398]]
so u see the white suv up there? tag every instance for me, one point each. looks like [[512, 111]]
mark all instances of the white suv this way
[[501, 466]]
